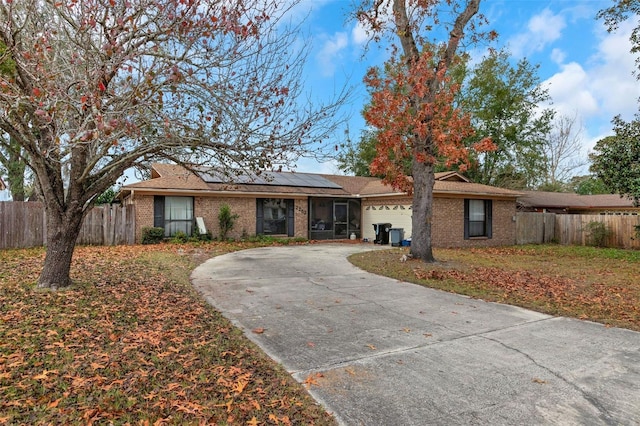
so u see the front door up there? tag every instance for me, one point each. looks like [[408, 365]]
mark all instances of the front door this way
[[340, 220]]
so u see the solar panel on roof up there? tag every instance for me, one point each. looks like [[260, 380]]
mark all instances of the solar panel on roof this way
[[272, 179]]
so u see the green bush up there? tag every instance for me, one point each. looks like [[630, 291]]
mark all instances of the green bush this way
[[152, 235], [226, 221], [203, 237], [180, 238], [268, 239], [597, 233]]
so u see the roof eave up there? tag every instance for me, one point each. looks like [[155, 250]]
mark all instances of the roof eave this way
[[200, 192]]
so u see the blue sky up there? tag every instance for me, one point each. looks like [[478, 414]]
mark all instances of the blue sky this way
[[588, 71]]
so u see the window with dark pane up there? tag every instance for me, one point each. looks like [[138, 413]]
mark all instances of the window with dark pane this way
[[477, 218], [274, 220]]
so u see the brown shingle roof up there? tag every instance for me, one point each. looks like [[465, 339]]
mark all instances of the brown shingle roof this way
[[452, 187], [174, 177], [542, 199]]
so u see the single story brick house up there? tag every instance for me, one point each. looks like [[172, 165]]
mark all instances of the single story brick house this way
[[571, 203], [319, 206]]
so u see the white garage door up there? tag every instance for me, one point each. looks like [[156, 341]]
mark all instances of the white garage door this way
[[398, 215]]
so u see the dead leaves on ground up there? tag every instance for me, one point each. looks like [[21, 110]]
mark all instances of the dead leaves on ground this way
[[603, 299], [131, 342]]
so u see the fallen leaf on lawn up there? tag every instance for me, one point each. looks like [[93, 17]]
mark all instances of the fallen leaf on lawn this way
[[54, 404], [44, 375], [259, 330], [239, 386]]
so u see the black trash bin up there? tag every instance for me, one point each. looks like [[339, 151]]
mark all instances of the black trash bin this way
[[382, 233]]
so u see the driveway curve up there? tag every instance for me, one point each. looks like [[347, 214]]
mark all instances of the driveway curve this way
[[377, 351]]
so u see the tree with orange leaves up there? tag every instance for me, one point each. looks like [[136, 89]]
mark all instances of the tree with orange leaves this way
[[412, 105]]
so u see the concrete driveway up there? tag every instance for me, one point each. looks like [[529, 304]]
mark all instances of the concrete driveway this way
[[377, 351]]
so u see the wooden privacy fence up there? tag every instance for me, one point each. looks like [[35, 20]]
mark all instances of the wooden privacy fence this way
[[535, 228], [24, 224], [620, 229], [573, 229], [108, 226]]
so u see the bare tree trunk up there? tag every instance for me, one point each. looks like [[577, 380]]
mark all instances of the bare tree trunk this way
[[62, 232], [421, 221]]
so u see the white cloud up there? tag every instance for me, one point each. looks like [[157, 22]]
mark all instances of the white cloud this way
[[542, 29], [558, 56], [570, 91], [359, 34], [599, 89], [331, 53], [612, 76]]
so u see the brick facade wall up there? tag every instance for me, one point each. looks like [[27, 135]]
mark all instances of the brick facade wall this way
[[209, 207], [448, 222], [301, 212], [144, 213], [448, 229]]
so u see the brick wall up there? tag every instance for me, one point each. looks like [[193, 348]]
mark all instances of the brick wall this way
[[448, 222], [209, 207], [448, 229], [144, 213], [301, 212]]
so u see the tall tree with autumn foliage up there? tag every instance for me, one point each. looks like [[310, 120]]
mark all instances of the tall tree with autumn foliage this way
[[98, 86], [412, 104]]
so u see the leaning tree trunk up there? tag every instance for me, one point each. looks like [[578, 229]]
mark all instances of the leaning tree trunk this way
[[422, 219], [62, 232]]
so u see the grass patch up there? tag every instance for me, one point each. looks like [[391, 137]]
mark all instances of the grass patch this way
[[133, 343], [597, 284]]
